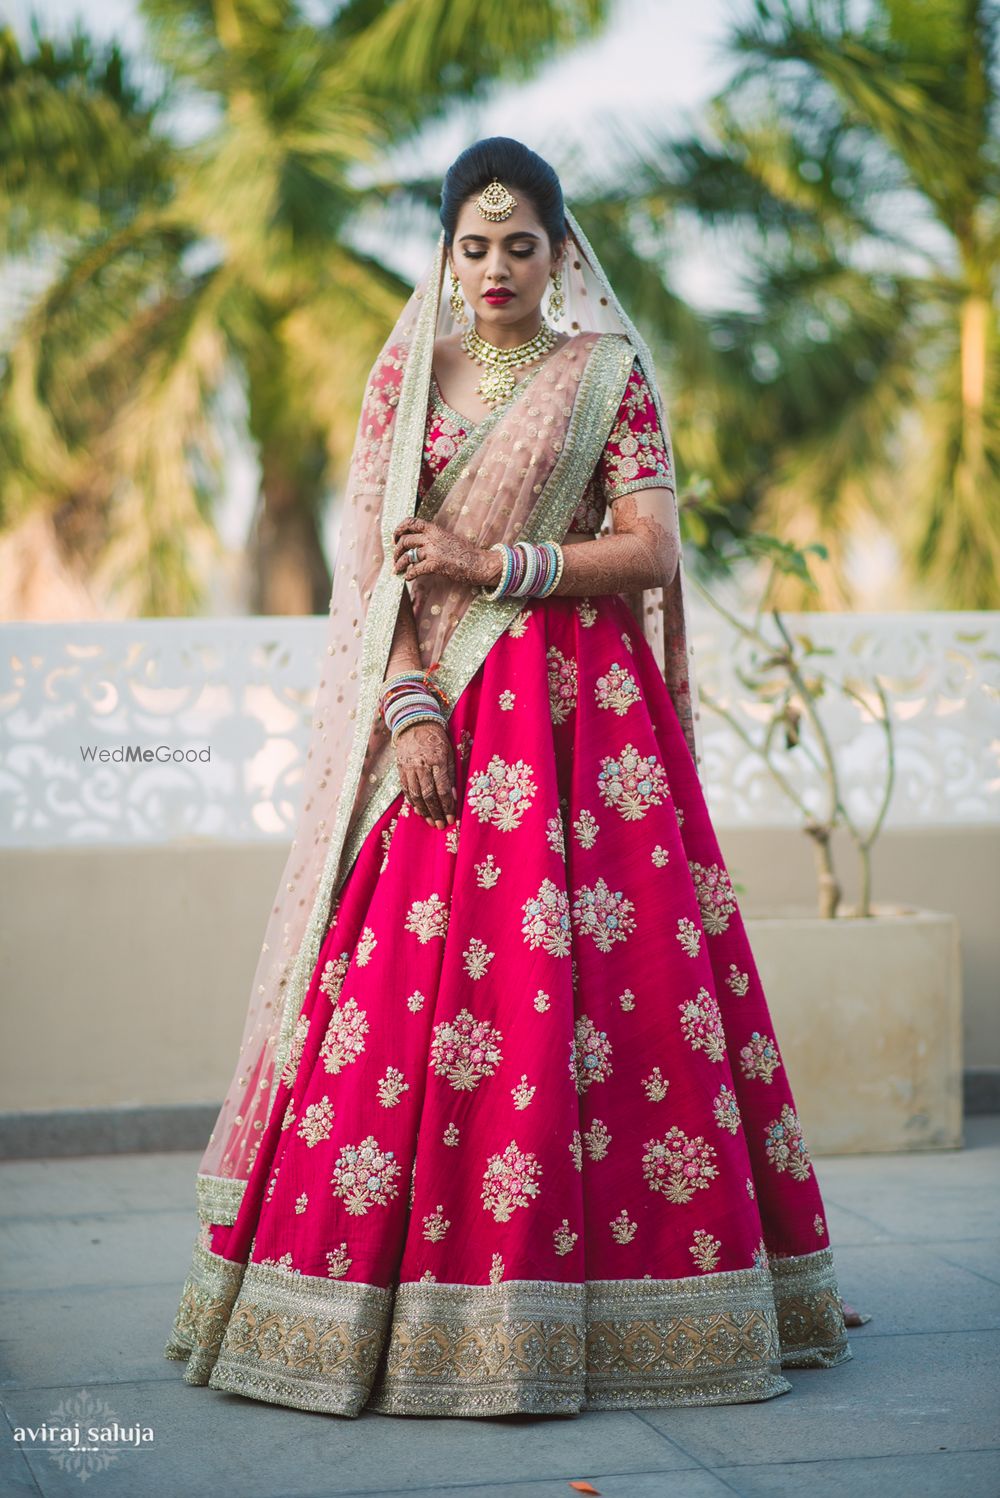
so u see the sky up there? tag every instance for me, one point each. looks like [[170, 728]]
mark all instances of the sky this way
[[655, 64]]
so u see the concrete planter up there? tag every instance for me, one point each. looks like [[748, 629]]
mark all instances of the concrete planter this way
[[868, 1015]]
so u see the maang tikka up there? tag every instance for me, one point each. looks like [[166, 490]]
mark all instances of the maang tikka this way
[[495, 202]]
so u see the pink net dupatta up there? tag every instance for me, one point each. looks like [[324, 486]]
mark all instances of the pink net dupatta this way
[[519, 474]]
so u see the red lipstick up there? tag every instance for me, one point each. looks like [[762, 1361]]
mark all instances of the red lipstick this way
[[497, 296]]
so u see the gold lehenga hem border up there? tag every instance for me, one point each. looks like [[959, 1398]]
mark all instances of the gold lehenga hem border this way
[[510, 1347]]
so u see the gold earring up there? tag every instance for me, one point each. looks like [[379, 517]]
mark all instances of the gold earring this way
[[557, 302], [457, 300]]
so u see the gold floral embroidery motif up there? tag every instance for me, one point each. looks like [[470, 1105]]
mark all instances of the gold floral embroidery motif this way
[[759, 1058], [727, 1110], [660, 856], [365, 1176], [295, 1052], [546, 920], [283, 1265], [476, 958], [598, 1140], [464, 1050], [785, 1146], [436, 1225], [627, 1000], [715, 896], [604, 914], [517, 627], [506, 700], [391, 1087], [317, 1121], [623, 1229], [677, 1165], [333, 977], [366, 946], [586, 612], [689, 936], [487, 872], [338, 1262], [496, 1269], [428, 918], [301, 1202], [590, 1054], [737, 981], [562, 1239], [701, 1023], [576, 1149], [617, 690], [705, 1250], [655, 1085], [632, 783], [555, 836], [344, 1040], [542, 1001], [563, 684], [510, 1181], [522, 1094], [415, 1002], [502, 793], [586, 827]]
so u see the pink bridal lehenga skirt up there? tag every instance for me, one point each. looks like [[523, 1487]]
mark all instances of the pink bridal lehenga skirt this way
[[540, 1153]]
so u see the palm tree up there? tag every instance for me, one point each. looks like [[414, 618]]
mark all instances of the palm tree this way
[[850, 179], [238, 254]]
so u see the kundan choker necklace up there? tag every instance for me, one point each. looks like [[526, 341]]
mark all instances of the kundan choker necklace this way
[[498, 382]]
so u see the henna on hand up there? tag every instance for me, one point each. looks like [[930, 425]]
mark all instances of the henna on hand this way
[[426, 764], [443, 553]]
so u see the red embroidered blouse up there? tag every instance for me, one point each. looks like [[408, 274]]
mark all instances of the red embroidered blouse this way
[[635, 455]]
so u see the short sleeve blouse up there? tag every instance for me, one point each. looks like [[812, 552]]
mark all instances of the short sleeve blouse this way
[[635, 456]]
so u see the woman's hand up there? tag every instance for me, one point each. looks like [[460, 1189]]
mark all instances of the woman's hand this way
[[426, 765], [443, 553]]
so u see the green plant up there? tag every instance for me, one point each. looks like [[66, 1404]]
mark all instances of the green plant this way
[[783, 671]]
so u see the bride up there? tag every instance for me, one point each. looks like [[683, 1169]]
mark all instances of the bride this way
[[510, 1129]]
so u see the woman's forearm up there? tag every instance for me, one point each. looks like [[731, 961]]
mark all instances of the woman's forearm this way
[[404, 653], [611, 564]]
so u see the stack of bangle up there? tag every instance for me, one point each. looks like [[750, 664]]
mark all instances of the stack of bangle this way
[[530, 570], [411, 697]]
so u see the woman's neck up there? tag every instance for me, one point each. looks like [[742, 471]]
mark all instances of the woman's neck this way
[[512, 334]]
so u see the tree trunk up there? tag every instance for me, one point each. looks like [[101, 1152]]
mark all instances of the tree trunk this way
[[290, 575]]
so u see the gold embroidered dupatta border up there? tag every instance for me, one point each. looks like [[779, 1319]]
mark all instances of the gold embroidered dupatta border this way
[[600, 392], [602, 387]]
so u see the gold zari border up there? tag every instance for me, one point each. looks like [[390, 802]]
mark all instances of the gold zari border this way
[[219, 1198], [514, 1347]]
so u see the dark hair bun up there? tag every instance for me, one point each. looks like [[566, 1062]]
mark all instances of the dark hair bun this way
[[516, 167]]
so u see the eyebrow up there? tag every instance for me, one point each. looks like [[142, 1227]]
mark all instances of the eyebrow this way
[[483, 239]]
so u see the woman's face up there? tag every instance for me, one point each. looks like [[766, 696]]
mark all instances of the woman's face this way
[[503, 268]]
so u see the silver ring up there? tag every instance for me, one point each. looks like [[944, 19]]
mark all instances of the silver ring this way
[[413, 554]]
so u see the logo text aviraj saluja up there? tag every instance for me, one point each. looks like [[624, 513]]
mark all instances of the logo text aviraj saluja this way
[[132, 754]]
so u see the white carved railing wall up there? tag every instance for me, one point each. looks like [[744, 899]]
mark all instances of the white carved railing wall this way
[[244, 688]]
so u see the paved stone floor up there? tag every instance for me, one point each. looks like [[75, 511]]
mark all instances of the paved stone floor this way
[[95, 1251]]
